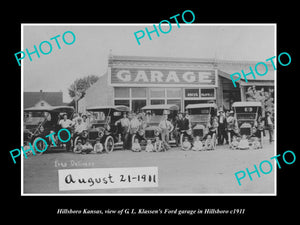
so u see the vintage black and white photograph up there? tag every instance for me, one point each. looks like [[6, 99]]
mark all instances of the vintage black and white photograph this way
[[148, 109]]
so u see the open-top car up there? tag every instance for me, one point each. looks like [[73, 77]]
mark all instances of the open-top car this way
[[200, 117], [248, 115], [154, 115], [103, 126], [40, 121]]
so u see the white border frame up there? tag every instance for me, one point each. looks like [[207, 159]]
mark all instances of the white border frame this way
[[150, 194]]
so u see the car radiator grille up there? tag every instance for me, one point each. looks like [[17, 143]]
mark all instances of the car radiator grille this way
[[246, 131], [149, 134], [198, 132], [93, 135]]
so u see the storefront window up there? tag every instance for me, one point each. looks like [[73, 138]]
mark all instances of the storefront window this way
[[122, 102], [138, 93], [157, 101], [157, 92], [121, 92], [174, 92]]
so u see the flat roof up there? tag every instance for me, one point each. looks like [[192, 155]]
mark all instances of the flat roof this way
[[165, 106], [116, 107], [50, 108], [201, 105], [243, 104]]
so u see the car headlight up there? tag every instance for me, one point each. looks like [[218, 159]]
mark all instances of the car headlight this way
[[156, 132], [189, 132], [141, 132], [84, 134], [100, 133]]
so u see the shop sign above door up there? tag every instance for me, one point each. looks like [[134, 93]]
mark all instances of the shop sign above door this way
[[149, 77]]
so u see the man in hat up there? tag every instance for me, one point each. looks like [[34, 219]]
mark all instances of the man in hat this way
[[165, 125], [182, 122], [85, 121], [269, 125], [222, 127], [66, 124], [231, 124], [124, 124]]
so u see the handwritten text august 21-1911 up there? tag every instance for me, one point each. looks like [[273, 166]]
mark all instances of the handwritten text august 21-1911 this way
[[106, 178]]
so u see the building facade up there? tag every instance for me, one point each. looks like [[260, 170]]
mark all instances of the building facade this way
[[139, 81]]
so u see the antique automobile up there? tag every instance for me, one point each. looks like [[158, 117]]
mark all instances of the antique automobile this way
[[200, 117], [40, 121], [248, 116], [153, 116], [102, 126]]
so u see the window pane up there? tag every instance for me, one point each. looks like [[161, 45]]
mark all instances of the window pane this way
[[121, 92], [122, 102], [192, 93], [157, 92], [207, 93], [174, 92], [138, 92], [137, 105], [175, 102], [157, 102]]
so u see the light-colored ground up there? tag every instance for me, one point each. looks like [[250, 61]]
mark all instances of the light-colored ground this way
[[205, 172]]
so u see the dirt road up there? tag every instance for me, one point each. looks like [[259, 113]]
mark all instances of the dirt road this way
[[205, 172]]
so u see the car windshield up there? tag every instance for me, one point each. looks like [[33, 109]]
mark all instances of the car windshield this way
[[198, 111], [246, 109], [98, 117], [245, 116], [199, 118], [153, 118]]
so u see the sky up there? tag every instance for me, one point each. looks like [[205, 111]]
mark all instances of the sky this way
[[88, 55]]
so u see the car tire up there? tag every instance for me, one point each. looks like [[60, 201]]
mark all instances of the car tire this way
[[261, 138], [132, 139], [75, 142], [181, 139], [109, 144], [229, 138], [214, 141]]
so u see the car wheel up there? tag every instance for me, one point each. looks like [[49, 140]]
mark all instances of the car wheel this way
[[75, 142], [132, 139], [181, 139], [109, 144], [214, 141], [261, 138]]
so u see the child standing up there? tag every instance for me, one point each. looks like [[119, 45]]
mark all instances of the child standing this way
[[244, 144], [186, 145], [157, 145], [149, 146], [98, 147], [197, 145], [136, 147], [234, 143]]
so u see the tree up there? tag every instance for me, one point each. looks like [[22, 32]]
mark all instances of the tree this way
[[79, 86]]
